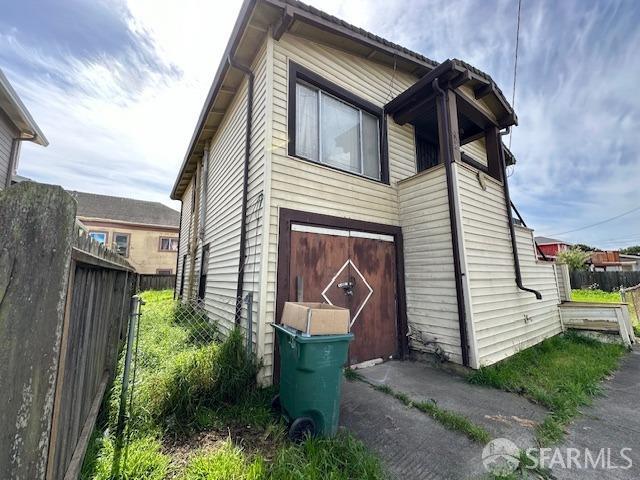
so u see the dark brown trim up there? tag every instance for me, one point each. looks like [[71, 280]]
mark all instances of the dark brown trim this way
[[473, 113], [128, 235], [469, 160], [13, 160], [288, 217], [512, 231], [298, 72], [493, 145], [283, 24], [159, 270], [236, 35], [245, 187], [447, 131]]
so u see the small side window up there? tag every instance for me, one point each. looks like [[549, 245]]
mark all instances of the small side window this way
[[168, 244], [121, 243]]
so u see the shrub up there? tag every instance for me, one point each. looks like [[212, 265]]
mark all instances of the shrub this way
[[575, 258]]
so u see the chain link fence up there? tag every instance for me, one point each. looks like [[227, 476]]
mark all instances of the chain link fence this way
[[192, 316]]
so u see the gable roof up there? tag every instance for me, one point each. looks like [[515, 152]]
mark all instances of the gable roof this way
[[547, 241], [307, 21], [105, 207], [13, 107]]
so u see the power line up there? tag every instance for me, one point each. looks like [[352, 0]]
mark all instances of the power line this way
[[598, 223], [515, 67]]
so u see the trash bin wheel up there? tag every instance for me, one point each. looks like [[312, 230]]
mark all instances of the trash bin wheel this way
[[275, 405], [301, 428]]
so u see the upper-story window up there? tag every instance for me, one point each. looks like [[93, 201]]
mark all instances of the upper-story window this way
[[100, 237], [121, 241], [331, 126], [168, 244]]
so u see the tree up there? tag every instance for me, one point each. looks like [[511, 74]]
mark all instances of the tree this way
[[574, 257], [586, 248], [635, 250]]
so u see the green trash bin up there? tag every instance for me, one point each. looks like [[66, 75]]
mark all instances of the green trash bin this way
[[310, 381]]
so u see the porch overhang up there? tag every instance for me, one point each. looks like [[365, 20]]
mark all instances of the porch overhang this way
[[473, 88]]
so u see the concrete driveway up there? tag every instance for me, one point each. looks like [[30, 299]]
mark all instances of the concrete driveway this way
[[414, 446]]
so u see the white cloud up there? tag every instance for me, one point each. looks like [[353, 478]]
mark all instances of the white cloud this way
[[577, 144]]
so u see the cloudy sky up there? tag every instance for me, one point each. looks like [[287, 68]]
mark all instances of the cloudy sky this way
[[117, 87]]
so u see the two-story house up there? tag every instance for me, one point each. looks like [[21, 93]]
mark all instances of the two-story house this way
[[145, 233], [16, 126], [329, 164]]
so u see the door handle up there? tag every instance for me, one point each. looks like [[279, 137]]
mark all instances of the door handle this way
[[347, 286]]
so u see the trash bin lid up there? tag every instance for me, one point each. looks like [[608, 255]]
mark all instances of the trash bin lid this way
[[300, 338]]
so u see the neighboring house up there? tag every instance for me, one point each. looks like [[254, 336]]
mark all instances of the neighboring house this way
[[630, 263], [613, 261], [551, 247], [16, 126], [331, 165], [146, 233]]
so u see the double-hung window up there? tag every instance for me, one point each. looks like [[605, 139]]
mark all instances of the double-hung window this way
[[333, 127]]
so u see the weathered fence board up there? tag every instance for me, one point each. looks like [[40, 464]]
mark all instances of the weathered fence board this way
[[156, 282], [62, 309], [608, 281]]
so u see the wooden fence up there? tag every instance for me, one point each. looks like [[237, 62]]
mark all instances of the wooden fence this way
[[156, 282], [608, 281], [64, 303]]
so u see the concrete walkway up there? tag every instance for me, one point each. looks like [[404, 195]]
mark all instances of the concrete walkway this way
[[410, 443], [613, 421]]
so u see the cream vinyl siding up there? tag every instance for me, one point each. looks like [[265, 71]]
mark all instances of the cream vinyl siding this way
[[224, 202], [505, 318], [302, 185], [7, 133], [476, 150], [185, 231], [432, 310]]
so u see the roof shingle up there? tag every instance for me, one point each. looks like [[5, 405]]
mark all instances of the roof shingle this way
[[92, 205]]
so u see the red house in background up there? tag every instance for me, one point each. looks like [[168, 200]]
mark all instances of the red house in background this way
[[551, 246]]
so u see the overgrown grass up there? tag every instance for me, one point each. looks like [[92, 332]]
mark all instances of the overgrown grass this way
[[185, 388], [600, 296], [448, 419], [594, 296], [562, 373]]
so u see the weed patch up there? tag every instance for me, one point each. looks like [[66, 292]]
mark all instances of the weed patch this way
[[448, 419], [198, 414], [562, 373]]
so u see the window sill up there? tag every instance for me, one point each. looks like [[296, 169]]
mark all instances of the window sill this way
[[337, 169]]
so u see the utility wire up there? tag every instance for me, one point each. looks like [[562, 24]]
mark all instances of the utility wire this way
[[598, 223], [515, 68]]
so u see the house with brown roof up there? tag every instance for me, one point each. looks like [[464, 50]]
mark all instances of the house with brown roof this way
[[145, 233], [331, 165], [16, 126]]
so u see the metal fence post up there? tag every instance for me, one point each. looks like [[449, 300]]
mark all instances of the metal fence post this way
[[134, 313]]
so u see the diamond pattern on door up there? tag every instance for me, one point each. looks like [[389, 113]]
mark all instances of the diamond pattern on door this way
[[360, 305]]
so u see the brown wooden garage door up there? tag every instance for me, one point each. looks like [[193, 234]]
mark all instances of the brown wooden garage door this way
[[350, 269]]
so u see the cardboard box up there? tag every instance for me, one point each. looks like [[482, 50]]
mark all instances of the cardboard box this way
[[316, 318]]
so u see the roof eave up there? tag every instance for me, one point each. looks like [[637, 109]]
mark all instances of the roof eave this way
[[17, 112], [306, 15]]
